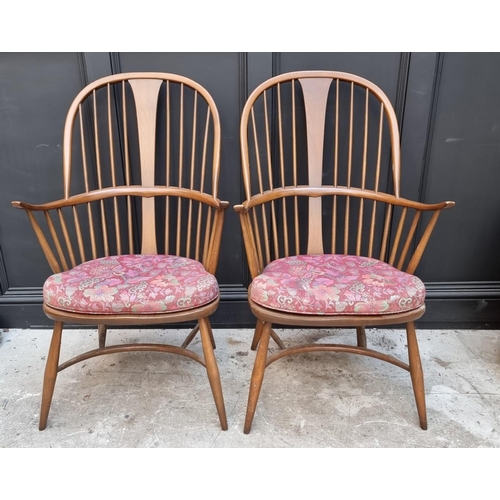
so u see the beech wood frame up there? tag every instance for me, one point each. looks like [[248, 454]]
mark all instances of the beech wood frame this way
[[62, 255], [261, 237]]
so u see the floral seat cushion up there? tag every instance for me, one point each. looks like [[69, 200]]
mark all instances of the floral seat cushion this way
[[136, 284], [336, 284]]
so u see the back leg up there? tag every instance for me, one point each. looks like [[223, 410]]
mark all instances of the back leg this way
[[102, 330], [361, 336]]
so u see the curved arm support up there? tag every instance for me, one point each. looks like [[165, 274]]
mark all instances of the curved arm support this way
[[145, 192], [60, 241], [315, 192], [398, 234]]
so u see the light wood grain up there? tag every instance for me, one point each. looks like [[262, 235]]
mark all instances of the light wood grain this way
[[364, 146], [114, 123]]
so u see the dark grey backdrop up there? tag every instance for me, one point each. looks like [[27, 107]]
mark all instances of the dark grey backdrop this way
[[448, 106]]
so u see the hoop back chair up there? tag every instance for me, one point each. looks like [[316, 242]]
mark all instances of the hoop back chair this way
[[135, 238], [328, 244]]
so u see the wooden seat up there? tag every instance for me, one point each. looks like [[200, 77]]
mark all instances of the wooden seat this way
[[329, 240], [135, 238]]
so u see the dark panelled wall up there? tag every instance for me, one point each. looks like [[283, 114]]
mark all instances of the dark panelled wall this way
[[448, 107]]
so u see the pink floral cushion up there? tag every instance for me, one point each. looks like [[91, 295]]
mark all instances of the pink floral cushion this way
[[137, 284], [336, 284]]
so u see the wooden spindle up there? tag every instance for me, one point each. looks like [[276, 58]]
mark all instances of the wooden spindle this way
[[282, 172], [266, 235], [268, 143], [84, 150], [417, 255], [360, 227], [167, 167], [372, 229], [91, 231], [351, 125], [397, 238], [79, 237], [336, 138], [47, 251], [363, 178], [204, 155], [270, 176], [113, 173], [57, 243], [67, 239], [294, 148], [257, 153], [349, 172], [379, 150], [256, 230], [181, 150], [130, 228], [365, 143], [409, 238], [335, 166], [191, 177], [202, 184], [198, 232], [261, 190], [385, 235], [208, 225], [99, 176]]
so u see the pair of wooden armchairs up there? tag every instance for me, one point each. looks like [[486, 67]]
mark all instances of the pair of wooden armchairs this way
[[135, 239]]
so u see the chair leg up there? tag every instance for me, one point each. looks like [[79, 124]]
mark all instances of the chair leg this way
[[257, 335], [191, 336], [361, 335], [257, 375], [278, 341], [212, 340], [416, 372], [49, 380], [212, 370], [193, 333], [102, 331]]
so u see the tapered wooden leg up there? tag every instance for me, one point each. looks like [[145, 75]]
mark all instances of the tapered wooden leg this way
[[212, 340], [417, 376], [278, 341], [49, 380], [191, 336], [257, 376], [212, 370], [257, 334], [193, 333], [361, 335], [102, 331]]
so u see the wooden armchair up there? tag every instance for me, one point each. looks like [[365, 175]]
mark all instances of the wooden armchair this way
[[135, 238], [327, 246]]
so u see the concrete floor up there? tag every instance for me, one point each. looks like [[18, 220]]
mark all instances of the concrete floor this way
[[318, 400]]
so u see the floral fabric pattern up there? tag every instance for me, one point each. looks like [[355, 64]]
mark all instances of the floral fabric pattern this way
[[336, 284], [137, 284]]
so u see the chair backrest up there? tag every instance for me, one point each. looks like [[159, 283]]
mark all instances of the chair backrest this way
[[323, 148], [137, 143]]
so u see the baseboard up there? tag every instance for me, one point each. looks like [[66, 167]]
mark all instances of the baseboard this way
[[473, 305]]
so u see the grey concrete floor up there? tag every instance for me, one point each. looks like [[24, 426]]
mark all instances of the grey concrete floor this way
[[317, 400]]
